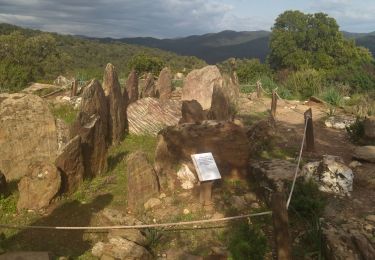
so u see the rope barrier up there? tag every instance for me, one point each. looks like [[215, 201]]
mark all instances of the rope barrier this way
[[140, 226]]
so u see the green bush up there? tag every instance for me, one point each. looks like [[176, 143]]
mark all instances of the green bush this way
[[249, 71], [356, 130], [332, 96]]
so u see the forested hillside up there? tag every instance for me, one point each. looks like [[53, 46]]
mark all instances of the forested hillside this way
[[30, 55]]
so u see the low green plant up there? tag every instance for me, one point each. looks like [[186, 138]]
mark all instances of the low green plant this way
[[64, 112], [332, 96], [356, 130]]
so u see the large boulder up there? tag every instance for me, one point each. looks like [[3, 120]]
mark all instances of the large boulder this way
[[92, 126], [192, 112], [38, 188], [150, 115], [149, 87], [116, 103], [164, 84], [142, 183], [215, 94], [365, 153], [71, 166], [226, 141], [27, 133], [132, 87], [369, 127]]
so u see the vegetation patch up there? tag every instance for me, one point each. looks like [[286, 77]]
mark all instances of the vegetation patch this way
[[64, 112]]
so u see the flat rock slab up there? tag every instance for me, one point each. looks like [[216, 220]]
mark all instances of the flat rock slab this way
[[365, 153], [150, 115], [26, 256]]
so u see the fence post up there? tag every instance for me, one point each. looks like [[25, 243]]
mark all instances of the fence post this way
[[310, 143], [273, 105], [74, 90], [259, 91], [280, 226]]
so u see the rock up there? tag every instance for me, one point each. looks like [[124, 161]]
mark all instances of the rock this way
[[331, 174], [250, 197], [216, 95], [369, 127], [186, 212], [364, 247], [133, 235], [365, 153], [148, 116], [339, 122], [142, 182], [92, 125], [186, 177], [37, 88], [71, 166], [371, 218], [120, 248], [162, 195], [132, 87], [117, 107], [238, 202], [61, 81], [27, 133], [192, 112], [227, 142], [152, 203], [119, 218], [3, 183], [218, 215], [62, 134], [255, 205], [39, 186], [164, 84], [354, 164], [149, 89]]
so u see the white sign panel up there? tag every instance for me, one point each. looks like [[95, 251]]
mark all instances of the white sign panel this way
[[206, 167]]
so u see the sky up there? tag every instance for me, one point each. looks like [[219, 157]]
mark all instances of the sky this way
[[174, 18]]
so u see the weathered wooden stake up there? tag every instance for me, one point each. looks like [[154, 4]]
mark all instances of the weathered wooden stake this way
[[280, 226], [73, 93], [273, 104], [205, 192], [310, 142], [259, 91]]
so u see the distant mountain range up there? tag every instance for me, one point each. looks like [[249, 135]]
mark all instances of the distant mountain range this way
[[216, 47]]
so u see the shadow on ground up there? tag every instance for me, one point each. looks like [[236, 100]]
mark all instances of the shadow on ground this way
[[58, 242]]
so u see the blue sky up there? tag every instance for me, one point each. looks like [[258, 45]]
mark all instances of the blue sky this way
[[174, 18]]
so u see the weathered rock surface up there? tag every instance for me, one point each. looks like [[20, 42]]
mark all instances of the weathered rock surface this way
[[120, 248], [116, 103], [164, 84], [116, 217], [339, 122], [149, 88], [132, 87], [71, 166], [133, 235], [369, 127], [216, 95], [227, 142], [149, 115], [92, 126], [192, 112], [331, 174], [142, 182], [39, 186], [152, 203], [186, 177], [365, 153], [27, 133], [62, 134]]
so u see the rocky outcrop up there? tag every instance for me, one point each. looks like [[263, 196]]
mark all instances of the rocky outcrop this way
[[365, 153], [216, 95], [331, 174], [149, 88], [39, 186], [369, 127], [192, 112], [339, 122], [92, 126], [27, 133], [116, 103], [142, 183], [71, 166], [227, 142], [132, 87], [62, 134], [149, 115], [164, 84]]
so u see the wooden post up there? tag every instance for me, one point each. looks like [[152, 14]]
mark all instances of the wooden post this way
[[273, 105], [259, 91], [205, 192], [74, 90], [280, 226], [310, 143]]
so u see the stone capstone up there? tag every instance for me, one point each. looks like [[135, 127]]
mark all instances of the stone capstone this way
[[71, 166], [164, 84], [142, 182], [365, 153], [39, 186], [148, 116], [27, 133]]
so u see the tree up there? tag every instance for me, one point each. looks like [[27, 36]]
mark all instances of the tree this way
[[301, 41]]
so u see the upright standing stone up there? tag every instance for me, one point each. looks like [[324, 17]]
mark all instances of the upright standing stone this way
[[132, 87], [192, 112], [142, 183], [116, 104], [164, 84], [92, 125], [149, 89]]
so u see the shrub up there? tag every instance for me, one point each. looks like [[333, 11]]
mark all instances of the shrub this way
[[332, 96], [249, 71], [356, 130]]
